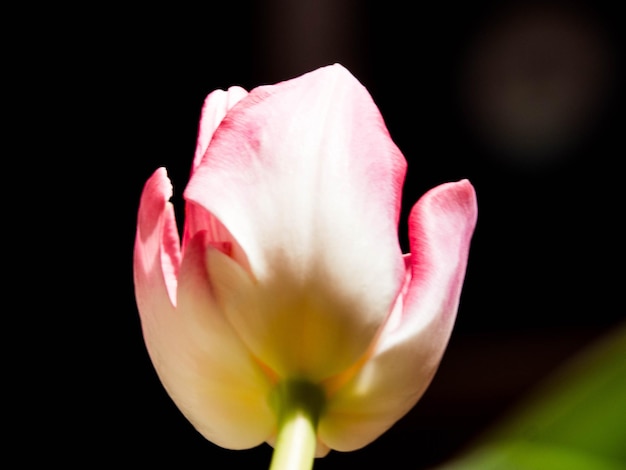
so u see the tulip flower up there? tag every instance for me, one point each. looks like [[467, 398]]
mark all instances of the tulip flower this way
[[287, 312]]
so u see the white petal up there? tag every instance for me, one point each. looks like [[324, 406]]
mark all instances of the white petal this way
[[305, 177]]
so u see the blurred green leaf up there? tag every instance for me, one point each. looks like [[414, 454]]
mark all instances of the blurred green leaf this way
[[575, 421]]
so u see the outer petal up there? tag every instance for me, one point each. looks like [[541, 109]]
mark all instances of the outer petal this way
[[202, 364], [156, 256], [411, 345], [216, 106], [209, 373], [306, 178]]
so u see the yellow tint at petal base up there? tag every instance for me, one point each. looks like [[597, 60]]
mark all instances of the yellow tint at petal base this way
[[300, 329]]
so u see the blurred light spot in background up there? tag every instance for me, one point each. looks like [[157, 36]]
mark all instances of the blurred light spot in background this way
[[535, 80]]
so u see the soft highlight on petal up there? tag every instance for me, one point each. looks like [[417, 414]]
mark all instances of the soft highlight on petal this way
[[305, 177], [412, 343]]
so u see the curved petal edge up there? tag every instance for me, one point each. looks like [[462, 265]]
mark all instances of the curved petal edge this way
[[414, 338]]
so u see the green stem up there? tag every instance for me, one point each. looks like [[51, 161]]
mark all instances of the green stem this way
[[298, 406]]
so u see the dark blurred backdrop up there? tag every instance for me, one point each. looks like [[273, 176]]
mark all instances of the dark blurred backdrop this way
[[522, 98]]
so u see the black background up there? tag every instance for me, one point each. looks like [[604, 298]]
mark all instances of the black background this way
[[545, 270]]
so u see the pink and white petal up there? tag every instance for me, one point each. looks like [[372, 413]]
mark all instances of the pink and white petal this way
[[412, 343], [215, 107], [207, 370], [306, 178], [156, 257]]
